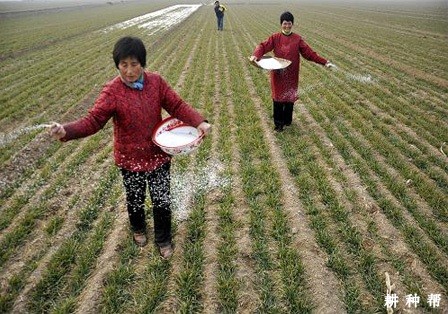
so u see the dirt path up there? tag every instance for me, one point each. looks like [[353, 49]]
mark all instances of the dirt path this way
[[209, 289], [248, 299], [90, 297], [170, 304]]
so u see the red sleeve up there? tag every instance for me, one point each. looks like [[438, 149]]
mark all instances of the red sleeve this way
[[94, 121], [177, 107], [309, 54], [264, 47]]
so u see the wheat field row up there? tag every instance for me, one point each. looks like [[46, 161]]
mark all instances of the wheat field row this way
[[310, 220]]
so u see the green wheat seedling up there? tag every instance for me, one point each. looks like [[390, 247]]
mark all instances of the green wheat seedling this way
[[321, 222], [434, 198], [255, 174], [64, 260], [288, 258], [369, 136], [17, 236], [227, 283], [392, 211], [116, 292], [190, 277], [412, 282], [19, 279], [66, 299]]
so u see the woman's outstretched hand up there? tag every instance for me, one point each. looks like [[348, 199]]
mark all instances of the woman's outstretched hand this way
[[253, 59], [205, 127], [57, 131], [330, 65]]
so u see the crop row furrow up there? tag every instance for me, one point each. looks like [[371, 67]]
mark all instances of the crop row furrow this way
[[306, 220], [392, 44], [66, 264], [368, 103], [258, 185], [342, 105], [368, 169], [47, 230], [424, 91], [235, 209], [15, 173], [429, 97], [433, 197], [39, 188], [221, 285], [189, 276], [357, 16], [48, 226], [46, 84], [365, 212]]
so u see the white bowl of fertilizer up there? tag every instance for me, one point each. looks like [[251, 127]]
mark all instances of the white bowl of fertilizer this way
[[175, 137], [272, 63]]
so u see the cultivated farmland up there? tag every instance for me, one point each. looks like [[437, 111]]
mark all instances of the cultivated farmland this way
[[347, 206]]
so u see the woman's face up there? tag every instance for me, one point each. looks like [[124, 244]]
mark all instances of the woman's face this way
[[130, 69], [286, 27]]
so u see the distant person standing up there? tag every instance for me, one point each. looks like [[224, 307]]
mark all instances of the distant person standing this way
[[219, 11], [285, 82]]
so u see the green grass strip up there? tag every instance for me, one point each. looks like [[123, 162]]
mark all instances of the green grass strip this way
[[364, 166], [63, 261]]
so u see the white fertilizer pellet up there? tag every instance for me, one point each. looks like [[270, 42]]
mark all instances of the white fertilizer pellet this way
[[184, 185], [5, 139], [157, 20], [360, 78], [177, 137], [270, 64]]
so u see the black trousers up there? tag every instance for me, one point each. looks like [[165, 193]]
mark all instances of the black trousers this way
[[282, 113], [159, 189]]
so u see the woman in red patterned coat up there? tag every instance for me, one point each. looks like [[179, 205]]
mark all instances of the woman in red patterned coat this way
[[285, 82], [134, 100]]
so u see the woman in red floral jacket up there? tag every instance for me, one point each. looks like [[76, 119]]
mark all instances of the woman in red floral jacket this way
[[134, 100], [285, 82]]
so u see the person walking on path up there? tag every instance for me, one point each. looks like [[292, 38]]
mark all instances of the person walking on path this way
[[219, 11], [134, 100], [285, 83]]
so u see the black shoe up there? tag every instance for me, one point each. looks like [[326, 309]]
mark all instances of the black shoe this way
[[166, 251], [278, 128], [140, 238]]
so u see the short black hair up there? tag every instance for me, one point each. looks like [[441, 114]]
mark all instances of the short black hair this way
[[287, 16], [129, 47]]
